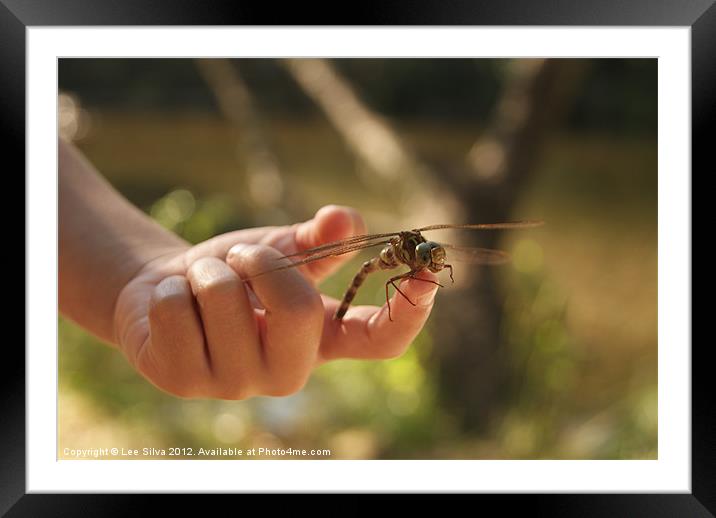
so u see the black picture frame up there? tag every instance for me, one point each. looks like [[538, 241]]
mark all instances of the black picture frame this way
[[700, 15]]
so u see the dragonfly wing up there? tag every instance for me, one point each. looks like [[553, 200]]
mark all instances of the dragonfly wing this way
[[487, 226], [369, 237], [341, 244], [317, 256], [475, 255]]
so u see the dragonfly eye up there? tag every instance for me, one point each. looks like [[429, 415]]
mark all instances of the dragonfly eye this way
[[422, 253]]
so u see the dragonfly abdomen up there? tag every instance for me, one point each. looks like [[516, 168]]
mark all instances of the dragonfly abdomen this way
[[375, 264]]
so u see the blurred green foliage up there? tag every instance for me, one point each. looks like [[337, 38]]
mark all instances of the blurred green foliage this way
[[580, 299]]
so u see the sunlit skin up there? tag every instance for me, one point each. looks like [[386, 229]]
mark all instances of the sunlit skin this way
[[184, 318]]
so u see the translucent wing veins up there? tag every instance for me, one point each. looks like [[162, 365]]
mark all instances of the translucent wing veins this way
[[487, 226], [316, 256], [475, 255]]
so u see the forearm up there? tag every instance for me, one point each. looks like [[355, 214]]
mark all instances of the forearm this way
[[103, 242]]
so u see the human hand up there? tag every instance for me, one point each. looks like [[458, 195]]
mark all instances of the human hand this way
[[192, 327]]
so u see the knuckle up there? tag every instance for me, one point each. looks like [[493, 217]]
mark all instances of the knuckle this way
[[170, 295], [200, 263], [259, 258], [264, 252], [220, 287], [166, 305]]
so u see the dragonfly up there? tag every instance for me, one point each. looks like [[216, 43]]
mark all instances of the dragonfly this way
[[403, 248]]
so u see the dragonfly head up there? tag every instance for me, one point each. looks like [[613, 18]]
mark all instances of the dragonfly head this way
[[430, 254]]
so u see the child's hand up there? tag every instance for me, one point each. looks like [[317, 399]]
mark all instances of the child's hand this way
[[191, 326]]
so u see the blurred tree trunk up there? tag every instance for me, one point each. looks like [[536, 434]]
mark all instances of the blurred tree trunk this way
[[391, 164], [474, 376]]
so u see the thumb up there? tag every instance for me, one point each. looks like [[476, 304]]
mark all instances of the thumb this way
[[331, 223]]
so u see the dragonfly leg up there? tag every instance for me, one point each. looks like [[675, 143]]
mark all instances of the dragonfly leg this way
[[392, 281], [451, 277], [412, 276]]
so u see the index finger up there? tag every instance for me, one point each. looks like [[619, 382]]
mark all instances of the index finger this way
[[366, 332], [290, 324]]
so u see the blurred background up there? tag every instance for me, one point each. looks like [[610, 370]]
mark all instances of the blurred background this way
[[553, 356]]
